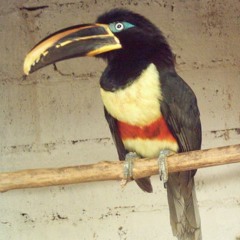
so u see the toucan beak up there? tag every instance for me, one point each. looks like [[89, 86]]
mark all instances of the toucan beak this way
[[76, 41]]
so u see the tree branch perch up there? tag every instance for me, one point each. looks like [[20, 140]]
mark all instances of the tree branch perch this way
[[109, 170]]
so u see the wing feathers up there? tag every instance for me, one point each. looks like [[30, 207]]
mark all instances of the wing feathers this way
[[179, 108]]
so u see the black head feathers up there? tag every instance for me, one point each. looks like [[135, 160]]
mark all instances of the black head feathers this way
[[139, 37]]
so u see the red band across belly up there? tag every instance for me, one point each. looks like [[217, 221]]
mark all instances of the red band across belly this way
[[156, 130]]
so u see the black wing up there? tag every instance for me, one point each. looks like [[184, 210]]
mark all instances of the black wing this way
[[143, 183], [180, 110], [112, 122]]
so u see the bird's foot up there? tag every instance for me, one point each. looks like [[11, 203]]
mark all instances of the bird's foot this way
[[128, 168], [163, 168]]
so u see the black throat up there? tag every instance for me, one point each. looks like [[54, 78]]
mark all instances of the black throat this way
[[122, 71]]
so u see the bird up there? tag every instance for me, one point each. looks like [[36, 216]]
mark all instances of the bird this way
[[148, 106]]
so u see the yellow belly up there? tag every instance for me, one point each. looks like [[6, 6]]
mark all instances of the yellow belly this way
[[149, 148]]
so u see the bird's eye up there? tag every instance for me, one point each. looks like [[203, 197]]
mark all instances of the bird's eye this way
[[119, 26]]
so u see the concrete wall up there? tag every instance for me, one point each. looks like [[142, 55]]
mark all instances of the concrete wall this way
[[54, 118]]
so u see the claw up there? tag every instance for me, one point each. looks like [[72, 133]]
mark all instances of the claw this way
[[128, 167], [163, 169]]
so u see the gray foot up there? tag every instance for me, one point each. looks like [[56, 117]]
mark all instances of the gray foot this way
[[163, 168], [128, 168]]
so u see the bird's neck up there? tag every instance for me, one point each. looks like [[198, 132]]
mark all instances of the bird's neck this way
[[126, 67], [121, 72]]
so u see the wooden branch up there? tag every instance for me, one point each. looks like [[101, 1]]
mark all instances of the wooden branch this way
[[108, 170]]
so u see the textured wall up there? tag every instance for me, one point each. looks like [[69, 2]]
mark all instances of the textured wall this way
[[54, 118]]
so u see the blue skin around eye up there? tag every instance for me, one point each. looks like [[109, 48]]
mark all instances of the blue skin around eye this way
[[125, 24]]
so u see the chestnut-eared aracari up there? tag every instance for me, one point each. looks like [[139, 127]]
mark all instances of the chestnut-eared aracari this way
[[147, 105]]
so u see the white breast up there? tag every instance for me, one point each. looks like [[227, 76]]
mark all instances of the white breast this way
[[139, 103]]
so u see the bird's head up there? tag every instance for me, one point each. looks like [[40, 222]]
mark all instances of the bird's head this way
[[118, 33], [136, 34]]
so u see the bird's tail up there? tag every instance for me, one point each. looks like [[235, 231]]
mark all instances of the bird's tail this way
[[183, 206], [145, 184]]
